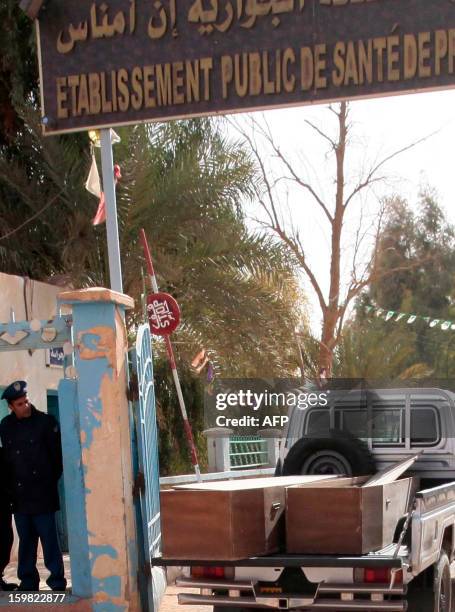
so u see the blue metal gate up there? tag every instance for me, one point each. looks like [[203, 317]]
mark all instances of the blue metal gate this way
[[147, 482]]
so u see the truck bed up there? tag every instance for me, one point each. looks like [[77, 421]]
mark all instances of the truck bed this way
[[381, 558]]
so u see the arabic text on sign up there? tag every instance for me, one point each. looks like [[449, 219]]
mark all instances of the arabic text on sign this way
[[213, 17], [161, 314], [209, 15], [100, 26], [162, 20]]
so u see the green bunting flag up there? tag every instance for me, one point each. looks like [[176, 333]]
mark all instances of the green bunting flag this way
[[392, 315]]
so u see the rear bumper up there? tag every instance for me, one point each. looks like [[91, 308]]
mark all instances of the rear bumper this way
[[326, 597], [301, 603]]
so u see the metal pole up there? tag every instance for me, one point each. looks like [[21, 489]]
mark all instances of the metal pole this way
[[175, 375], [113, 247]]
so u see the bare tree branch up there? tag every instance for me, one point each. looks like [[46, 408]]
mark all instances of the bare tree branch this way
[[267, 212], [341, 315], [381, 275], [322, 134], [370, 178], [293, 243], [301, 182], [267, 134], [359, 239], [335, 306], [269, 189], [298, 252]]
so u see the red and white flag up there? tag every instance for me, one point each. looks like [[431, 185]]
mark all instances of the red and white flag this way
[[93, 184], [100, 216], [200, 361]]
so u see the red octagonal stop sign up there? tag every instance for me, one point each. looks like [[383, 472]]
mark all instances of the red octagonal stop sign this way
[[163, 313]]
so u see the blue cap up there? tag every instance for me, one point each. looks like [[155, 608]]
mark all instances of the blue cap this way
[[15, 390]]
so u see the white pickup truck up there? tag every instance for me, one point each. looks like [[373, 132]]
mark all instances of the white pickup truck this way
[[351, 435]]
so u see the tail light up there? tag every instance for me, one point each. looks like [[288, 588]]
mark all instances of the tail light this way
[[211, 571], [377, 575]]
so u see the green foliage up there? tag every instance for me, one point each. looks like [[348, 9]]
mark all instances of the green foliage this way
[[18, 70], [185, 184], [174, 451], [369, 350], [420, 247], [45, 210]]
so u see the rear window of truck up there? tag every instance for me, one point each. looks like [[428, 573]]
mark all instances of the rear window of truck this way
[[387, 426], [425, 428]]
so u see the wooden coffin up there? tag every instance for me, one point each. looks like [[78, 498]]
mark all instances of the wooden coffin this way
[[345, 519], [226, 520]]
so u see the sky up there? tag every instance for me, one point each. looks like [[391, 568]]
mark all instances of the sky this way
[[380, 127]]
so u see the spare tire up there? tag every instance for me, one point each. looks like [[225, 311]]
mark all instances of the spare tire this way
[[335, 452]]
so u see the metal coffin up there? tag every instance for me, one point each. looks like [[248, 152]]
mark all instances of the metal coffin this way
[[345, 520]]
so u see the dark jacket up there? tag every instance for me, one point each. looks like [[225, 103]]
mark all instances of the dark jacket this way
[[32, 461], [5, 504]]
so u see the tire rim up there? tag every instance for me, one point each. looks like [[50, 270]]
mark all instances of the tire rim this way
[[326, 462]]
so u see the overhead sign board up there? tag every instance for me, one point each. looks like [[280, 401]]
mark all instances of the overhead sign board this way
[[124, 61]]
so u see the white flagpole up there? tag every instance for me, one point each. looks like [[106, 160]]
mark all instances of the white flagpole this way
[[113, 246]]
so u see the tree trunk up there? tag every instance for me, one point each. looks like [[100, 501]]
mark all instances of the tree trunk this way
[[331, 313], [327, 342]]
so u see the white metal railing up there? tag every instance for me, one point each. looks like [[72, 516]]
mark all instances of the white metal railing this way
[[188, 478], [248, 452]]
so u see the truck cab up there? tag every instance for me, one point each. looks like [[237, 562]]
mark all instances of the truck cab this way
[[386, 424]]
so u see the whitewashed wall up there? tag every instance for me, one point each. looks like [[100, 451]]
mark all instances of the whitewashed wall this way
[[29, 300]]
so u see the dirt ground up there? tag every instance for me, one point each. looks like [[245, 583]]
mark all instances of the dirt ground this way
[[169, 601]]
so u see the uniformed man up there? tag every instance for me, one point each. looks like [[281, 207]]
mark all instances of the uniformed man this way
[[33, 465], [6, 529]]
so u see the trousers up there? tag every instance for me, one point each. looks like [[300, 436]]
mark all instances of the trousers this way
[[30, 528], [6, 538]]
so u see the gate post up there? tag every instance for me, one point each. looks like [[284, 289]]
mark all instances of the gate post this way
[[101, 367], [73, 475]]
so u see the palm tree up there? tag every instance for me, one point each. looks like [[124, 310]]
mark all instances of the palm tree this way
[[45, 210], [366, 351], [185, 184]]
